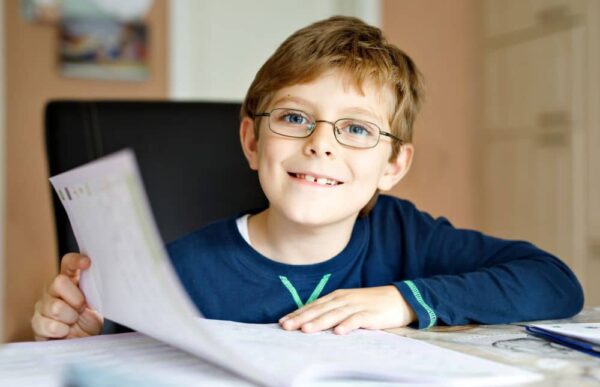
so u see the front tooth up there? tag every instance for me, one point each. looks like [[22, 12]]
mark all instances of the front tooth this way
[[309, 178], [322, 181]]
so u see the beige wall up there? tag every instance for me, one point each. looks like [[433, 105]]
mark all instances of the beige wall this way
[[238, 48], [31, 80], [441, 37]]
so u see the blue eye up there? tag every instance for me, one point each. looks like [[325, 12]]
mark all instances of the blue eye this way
[[357, 130], [295, 119]]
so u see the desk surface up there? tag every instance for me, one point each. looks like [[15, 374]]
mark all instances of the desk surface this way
[[509, 344]]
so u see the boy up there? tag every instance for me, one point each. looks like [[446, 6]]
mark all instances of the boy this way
[[327, 123]]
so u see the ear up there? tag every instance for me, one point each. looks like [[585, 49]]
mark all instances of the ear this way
[[249, 142], [396, 168]]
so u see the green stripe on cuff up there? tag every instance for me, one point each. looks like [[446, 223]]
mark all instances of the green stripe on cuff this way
[[415, 291]]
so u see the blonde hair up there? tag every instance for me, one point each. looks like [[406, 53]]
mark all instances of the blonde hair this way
[[356, 49], [352, 46]]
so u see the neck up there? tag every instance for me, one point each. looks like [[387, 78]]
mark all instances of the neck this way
[[282, 240]]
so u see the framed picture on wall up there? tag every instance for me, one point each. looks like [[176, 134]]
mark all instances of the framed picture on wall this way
[[103, 49], [52, 11]]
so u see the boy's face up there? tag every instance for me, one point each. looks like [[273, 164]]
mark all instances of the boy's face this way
[[347, 177]]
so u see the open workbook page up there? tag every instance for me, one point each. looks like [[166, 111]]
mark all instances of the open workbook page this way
[[126, 359], [131, 281]]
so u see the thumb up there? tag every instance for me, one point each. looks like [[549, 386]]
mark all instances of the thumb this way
[[71, 265], [90, 321]]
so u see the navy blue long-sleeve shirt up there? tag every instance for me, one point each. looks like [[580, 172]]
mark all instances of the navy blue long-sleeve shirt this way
[[449, 276]]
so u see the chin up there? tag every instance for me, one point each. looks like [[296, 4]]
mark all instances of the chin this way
[[317, 216]]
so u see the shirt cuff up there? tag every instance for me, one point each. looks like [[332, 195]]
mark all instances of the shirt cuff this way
[[425, 314]]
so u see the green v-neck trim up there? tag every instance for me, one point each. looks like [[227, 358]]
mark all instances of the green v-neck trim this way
[[315, 294]]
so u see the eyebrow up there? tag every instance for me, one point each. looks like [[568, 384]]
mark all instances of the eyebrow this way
[[306, 103], [298, 100], [362, 111]]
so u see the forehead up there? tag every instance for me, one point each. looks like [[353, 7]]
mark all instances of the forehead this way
[[335, 93]]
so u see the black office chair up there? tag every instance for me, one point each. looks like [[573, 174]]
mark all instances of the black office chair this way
[[189, 156]]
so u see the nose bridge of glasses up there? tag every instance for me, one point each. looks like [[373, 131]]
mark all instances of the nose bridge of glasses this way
[[321, 137], [316, 122]]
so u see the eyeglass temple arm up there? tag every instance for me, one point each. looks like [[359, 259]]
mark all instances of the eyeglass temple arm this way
[[391, 136]]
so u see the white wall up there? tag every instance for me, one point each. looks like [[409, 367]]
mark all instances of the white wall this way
[[2, 166], [216, 47]]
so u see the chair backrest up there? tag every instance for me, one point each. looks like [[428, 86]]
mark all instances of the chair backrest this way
[[189, 156]]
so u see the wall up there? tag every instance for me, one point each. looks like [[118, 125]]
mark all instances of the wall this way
[[31, 80], [441, 37], [593, 163], [218, 58]]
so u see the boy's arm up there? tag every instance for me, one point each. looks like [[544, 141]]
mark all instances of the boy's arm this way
[[449, 276], [471, 277]]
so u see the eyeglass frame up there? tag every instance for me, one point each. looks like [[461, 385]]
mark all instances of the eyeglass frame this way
[[334, 127]]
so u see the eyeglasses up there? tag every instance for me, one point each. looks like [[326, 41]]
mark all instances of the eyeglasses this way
[[347, 131]]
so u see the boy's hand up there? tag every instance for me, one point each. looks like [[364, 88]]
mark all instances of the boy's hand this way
[[348, 309], [62, 311]]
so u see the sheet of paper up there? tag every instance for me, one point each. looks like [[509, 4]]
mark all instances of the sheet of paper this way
[[128, 358], [132, 282], [363, 354], [131, 279], [589, 332]]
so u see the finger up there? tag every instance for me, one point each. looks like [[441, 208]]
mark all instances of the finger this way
[[37, 337], [62, 287], [72, 263], [319, 301], [291, 320], [34, 323], [292, 314], [45, 327], [90, 322], [355, 321], [328, 320], [57, 309], [327, 298], [309, 313]]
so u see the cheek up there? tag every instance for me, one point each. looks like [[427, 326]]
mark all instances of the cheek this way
[[271, 156], [369, 167], [267, 155]]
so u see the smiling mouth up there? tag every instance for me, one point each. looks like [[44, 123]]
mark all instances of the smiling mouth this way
[[314, 179]]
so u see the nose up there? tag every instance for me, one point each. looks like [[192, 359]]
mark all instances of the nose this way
[[322, 140]]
